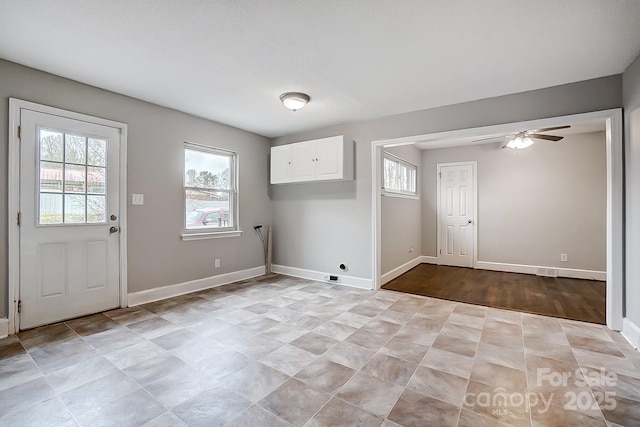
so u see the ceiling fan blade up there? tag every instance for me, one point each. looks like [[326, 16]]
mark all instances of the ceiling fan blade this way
[[553, 128], [493, 138], [553, 138]]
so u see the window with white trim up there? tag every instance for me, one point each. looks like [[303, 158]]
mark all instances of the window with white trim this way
[[210, 191], [400, 176]]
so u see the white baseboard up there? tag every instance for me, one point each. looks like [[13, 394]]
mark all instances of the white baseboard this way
[[4, 327], [155, 294], [398, 271], [631, 332], [532, 269], [318, 276]]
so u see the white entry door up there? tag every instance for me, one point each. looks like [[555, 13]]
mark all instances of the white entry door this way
[[69, 227], [456, 235]]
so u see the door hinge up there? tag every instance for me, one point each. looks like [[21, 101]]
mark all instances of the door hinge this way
[[19, 306], [19, 219], [19, 131], [440, 251]]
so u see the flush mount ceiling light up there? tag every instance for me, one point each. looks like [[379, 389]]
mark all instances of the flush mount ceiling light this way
[[294, 100]]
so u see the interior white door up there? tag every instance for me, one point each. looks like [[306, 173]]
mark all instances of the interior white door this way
[[69, 205], [456, 236]]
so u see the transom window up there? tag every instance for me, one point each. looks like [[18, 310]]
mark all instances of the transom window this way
[[400, 176], [209, 188], [72, 180]]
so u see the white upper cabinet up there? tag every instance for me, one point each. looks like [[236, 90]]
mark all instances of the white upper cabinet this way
[[326, 159], [281, 164], [304, 162]]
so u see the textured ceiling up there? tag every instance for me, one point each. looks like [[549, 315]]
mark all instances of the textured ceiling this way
[[229, 60]]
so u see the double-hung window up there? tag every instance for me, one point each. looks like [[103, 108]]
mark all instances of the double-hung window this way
[[400, 176], [210, 192]]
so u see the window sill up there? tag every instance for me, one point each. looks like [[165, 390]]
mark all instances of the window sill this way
[[400, 195], [210, 235]]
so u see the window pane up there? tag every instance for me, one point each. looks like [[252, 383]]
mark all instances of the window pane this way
[[74, 208], [75, 149], [96, 180], [74, 179], [207, 170], [96, 152], [50, 209], [96, 212], [403, 178], [407, 178], [50, 176], [208, 209], [390, 174], [411, 179], [50, 145]]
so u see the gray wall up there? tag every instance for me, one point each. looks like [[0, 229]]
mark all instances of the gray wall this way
[[401, 219], [335, 219], [533, 204], [631, 96], [157, 256]]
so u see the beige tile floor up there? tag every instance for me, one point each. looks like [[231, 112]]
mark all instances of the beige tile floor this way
[[279, 351]]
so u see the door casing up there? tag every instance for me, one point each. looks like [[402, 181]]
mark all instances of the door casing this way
[[15, 106]]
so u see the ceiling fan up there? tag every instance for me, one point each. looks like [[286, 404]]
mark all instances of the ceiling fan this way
[[524, 139]]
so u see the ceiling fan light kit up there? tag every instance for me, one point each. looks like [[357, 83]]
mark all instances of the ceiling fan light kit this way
[[294, 100], [524, 139], [520, 142]]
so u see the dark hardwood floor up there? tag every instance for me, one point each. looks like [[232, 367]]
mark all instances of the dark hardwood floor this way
[[574, 299]]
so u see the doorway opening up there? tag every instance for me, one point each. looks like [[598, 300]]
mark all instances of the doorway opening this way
[[610, 121]]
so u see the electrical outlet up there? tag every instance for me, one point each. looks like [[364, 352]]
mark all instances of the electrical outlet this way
[[216, 263], [137, 199], [563, 258]]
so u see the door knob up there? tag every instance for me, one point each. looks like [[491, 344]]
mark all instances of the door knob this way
[[113, 217], [113, 230], [469, 221]]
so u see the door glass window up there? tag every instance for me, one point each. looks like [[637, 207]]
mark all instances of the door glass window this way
[[72, 178]]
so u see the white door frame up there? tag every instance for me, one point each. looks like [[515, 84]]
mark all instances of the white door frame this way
[[615, 196], [474, 175], [15, 105]]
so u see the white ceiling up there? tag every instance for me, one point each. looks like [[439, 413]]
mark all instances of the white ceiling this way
[[229, 60]]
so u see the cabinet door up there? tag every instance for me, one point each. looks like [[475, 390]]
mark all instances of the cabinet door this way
[[304, 161], [281, 164], [329, 155]]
